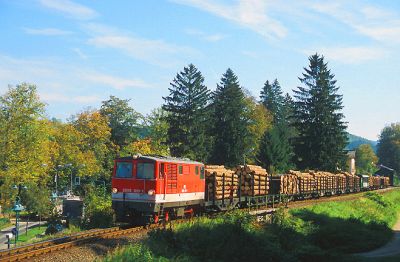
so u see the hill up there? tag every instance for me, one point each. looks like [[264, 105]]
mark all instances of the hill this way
[[356, 141]]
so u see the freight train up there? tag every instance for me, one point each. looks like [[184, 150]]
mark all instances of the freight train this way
[[149, 189]]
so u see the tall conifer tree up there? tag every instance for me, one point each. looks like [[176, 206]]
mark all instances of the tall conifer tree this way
[[318, 119], [187, 114], [276, 152], [230, 121], [272, 98]]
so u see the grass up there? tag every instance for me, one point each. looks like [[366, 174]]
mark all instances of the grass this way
[[32, 233], [66, 232], [324, 232], [4, 222]]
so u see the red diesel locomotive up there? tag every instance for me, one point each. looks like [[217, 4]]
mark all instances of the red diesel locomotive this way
[[147, 188]]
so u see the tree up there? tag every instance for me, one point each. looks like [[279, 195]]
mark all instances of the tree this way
[[272, 98], [158, 130], [23, 135], [318, 119], [187, 113], [389, 147], [96, 137], [37, 200], [259, 119], [276, 152], [69, 147], [230, 121], [366, 159], [122, 119]]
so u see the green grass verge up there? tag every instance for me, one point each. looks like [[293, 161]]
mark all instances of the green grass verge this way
[[66, 232], [324, 232], [31, 234], [4, 222]]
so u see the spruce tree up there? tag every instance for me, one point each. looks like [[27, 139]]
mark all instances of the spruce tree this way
[[275, 153], [271, 97], [318, 119], [229, 121], [187, 113]]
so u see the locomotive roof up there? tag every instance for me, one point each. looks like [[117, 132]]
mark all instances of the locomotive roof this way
[[161, 158]]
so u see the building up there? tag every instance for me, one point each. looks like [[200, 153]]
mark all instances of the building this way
[[351, 161], [386, 171]]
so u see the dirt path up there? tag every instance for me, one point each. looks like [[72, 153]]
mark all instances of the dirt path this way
[[390, 249]]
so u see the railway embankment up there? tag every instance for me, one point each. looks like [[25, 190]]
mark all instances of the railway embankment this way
[[327, 231]]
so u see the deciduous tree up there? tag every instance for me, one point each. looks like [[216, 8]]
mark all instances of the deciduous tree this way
[[389, 147], [122, 119], [366, 159]]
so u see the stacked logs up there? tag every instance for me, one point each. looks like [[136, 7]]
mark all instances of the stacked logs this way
[[306, 181], [386, 181], [221, 182], [353, 181], [374, 181], [289, 184], [253, 179]]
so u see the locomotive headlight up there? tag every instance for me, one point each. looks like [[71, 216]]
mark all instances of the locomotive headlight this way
[[151, 192], [114, 190]]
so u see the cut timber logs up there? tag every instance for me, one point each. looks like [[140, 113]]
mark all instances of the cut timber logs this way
[[221, 182], [254, 180]]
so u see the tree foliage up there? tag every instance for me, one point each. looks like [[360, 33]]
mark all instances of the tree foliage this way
[[187, 113], [318, 119], [366, 159], [158, 131], [230, 121], [389, 147], [276, 152], [272, 98], [259, 119], [122, 119]]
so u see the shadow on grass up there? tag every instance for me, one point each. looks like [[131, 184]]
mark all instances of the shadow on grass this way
[[304, 237], [345, 235]]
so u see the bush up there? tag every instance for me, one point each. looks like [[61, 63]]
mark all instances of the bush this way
[[4, 222], [98, 210], [138, 252]]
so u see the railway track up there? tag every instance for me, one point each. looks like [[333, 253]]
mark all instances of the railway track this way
[[44, 247]]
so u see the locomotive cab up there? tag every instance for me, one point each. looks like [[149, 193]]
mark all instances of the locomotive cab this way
[[148, 188]]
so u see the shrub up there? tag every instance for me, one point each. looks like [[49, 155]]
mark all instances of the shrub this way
[[98, 210]]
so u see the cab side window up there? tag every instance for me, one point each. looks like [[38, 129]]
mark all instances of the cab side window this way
[[180, 170], [162, 168]]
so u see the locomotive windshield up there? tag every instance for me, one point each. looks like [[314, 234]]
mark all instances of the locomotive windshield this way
[[124, 170], [145, 171]]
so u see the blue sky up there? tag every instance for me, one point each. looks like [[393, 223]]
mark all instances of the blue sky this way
[[79, 53]]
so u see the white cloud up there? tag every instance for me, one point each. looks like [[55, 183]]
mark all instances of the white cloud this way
[[115, 82], [46, 31], [70, 8], [79, 53], [156, 52], [61, 98], [204, 36], [350, 55], [251, 14], [60, 82], [374, 22]]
